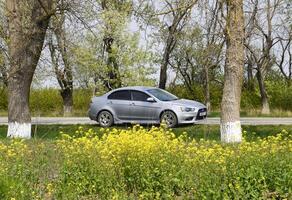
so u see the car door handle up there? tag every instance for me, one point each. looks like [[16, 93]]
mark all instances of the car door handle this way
[[132, 104], [110, 102]]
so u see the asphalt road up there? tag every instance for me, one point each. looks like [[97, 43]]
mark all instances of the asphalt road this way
[[213, 120]]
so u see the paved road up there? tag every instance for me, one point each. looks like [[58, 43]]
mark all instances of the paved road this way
[[215, 120]]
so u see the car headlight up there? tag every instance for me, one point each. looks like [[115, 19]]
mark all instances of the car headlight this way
[[187, 109]]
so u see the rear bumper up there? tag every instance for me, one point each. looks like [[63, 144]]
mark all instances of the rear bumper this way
[[91, 115]]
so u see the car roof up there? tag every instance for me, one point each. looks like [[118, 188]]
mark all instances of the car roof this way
[[141, 88]]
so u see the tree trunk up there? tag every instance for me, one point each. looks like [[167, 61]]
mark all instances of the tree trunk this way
[[3, 73], [114, 80], [207, 89], [19, 121], [163, 75], [27, 29], [230, 126], [64, 74], [266, 63], [264, 97], [3, 69], [67, 96], [167, 51], [250, 80]]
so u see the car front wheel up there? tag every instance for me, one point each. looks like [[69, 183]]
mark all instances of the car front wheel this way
[[169, 118], [105, 119]]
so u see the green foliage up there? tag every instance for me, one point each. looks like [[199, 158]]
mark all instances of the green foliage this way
[[182, 92], [135, 62], [48, 102], [141, 163], [198, 94], [45, 101], [114, 50], [3, 98], [81, 100], [280, 95], [250, 99]]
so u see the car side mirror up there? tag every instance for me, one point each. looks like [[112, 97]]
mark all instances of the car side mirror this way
[[150, 99]]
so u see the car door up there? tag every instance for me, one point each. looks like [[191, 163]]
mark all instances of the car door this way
[[120, 102], [141, 109]]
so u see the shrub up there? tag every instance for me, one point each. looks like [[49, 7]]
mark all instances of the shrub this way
[[82, 99], [44, 101], [146, 164], [280, 95], [3, 98], [48, 101], [198, 93]]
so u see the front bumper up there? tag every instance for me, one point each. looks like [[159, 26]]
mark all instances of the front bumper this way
[[192, 117]]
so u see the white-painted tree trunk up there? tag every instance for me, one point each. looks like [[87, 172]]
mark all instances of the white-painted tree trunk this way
[[68, 111], [266, 108], [233, 73], [19, 130], [231, 132], [27, 30]]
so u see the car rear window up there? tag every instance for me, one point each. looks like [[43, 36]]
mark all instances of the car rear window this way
[[120, 95], [139, 96]]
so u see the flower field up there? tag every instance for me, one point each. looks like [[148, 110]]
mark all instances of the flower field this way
[[138, 163]]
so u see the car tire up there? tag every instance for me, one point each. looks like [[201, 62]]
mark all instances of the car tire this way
[[170, 119], [105, 119]]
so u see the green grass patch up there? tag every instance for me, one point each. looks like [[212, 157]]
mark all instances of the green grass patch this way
[[208, 132]]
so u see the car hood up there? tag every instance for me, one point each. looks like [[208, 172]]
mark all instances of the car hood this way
[[188, 103]]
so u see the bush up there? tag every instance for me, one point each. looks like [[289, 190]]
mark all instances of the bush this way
[[146, 164], [198, 93], [279, 93], [3, 98], [44, 101], [48, 101], [82, 99], [250, 100]]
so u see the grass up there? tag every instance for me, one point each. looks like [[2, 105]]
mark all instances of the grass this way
[[209, 132], [215, 113], [257, 113], [55, 113], [142, 163]]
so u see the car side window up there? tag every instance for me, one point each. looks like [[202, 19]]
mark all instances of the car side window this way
[[120, 95], [139, 96]]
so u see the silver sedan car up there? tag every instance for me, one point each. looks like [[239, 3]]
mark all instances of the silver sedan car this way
[[144, 105]]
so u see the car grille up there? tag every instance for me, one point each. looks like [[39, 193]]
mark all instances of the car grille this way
[[200, 111]]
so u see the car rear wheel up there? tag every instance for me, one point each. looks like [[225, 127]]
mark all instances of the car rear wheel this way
[[169, 118], [105, 119]]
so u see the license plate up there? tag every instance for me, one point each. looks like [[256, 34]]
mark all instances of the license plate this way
[[203, 113]]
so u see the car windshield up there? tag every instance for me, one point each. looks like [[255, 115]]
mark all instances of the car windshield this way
[[162, 95]]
